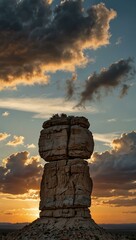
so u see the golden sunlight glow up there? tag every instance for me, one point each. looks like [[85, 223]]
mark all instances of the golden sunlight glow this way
[[18, 210], [26, 210]]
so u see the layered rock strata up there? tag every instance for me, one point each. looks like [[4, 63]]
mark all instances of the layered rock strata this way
[[65, 143], [65, 138]]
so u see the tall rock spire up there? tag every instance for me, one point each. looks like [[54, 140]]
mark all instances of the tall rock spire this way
[[66, 187], [65, 195]]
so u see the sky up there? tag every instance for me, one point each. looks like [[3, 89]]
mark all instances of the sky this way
[[74, 57]]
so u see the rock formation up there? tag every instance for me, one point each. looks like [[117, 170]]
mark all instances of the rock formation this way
[[65, 196], [65, 142]]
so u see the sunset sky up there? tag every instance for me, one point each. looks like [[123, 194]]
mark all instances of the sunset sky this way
[[75, 57]]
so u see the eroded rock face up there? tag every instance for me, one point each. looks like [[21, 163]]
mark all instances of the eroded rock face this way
[[53, 143], [65, 138], [66, 185], [81, 143]]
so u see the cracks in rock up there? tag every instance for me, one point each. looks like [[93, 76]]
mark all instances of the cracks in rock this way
[[74, 196], [68, 139]]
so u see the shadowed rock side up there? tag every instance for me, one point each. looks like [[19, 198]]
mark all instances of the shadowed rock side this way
[[66, 186], [65, 138], [66, 189]]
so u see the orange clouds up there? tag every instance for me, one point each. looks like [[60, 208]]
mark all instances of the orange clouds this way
[[17, 140], [3, 136], [125, 144], [114, 172], [35, 40], [20, 174]]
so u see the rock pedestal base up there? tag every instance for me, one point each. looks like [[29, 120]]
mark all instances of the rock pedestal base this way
[[62, 229], [66, 187]]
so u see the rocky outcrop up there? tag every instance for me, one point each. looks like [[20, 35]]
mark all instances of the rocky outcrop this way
[[66, 185], [62, 229], [65, 138]]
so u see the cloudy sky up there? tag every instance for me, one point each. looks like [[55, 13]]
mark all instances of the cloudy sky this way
[[75, 57]]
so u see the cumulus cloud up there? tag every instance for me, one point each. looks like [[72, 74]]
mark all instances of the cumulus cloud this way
[[20, 174], [35, 39], [17, 140], [114, 172], [5, 114], [31, 146], [125, 144], [3, 136], [107, 80]]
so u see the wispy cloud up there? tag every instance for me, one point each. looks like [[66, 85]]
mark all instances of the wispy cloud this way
[[19, 211], [5, 114], [112, 120], [105, 137], [43, 107], [31, 146], [31, 195], [128, 212], [70, 87], [3, 136], [129, 120], [119, 41], [117, 74], [17, 140], [119, 202]]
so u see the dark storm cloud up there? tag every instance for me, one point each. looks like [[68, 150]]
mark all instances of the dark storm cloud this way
[[34, 40], [107, 80], [20, 174], [18, 15], [114, 172]]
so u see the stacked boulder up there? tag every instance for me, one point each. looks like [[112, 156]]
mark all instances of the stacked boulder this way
[[65, 143], [65, 195]]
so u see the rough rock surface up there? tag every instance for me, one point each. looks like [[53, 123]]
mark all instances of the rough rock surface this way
[[65, 138], [67, 186], [63, 229]]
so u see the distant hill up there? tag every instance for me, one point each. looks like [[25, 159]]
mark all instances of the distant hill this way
[[123, 227], [6, 225], [92, 231]]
